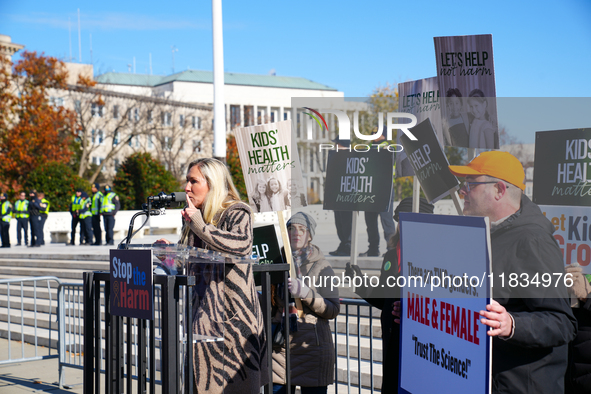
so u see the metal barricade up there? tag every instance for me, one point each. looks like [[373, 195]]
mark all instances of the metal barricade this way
[[116, 355], [130, 342], [16, 289], [359, 386]]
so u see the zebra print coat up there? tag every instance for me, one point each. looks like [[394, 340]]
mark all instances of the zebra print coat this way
[[239, 363]]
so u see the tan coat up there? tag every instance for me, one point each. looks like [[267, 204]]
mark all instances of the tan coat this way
[[239, 363], [312, 348]]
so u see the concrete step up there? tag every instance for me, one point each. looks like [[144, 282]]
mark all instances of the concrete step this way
[[65, 274], [44, 336], [361, 325], [29, 283], [353, 368], [59, 264], [368, 348], [100, 256]]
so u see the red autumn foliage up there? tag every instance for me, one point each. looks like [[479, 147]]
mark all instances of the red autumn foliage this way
[[33, 131]]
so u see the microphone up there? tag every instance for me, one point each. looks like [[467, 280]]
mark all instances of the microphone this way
[[168, 198]]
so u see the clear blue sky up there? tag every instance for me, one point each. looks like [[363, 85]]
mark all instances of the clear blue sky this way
[[541, 48]]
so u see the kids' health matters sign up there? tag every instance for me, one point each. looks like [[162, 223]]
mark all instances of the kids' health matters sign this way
[[269, 164], [562, 168], [441, 335], [359, 181], [466, 77], [132, 293]]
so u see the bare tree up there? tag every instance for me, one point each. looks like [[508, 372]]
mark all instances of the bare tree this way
[[183, 134], [111, 125]]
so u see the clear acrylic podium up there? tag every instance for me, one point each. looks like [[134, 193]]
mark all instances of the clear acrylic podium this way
[[189, 292]]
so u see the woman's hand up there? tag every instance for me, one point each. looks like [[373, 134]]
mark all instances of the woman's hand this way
[[162, 241], [189, 210], [297, 288]]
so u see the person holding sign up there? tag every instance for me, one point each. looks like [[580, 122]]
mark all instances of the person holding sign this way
[[311, 344], [386, 298], [531, 325], [215, 218]]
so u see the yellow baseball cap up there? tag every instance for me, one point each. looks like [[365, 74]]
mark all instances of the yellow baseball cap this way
[[502, 165]]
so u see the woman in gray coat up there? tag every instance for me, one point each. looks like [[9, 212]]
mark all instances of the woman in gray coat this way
[[311, 346]]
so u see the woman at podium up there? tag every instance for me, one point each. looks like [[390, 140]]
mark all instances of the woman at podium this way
[[216, 219]]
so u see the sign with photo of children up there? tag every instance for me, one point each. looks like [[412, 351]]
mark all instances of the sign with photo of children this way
[[420, 98], [270, 166], [562, 190], [466, 77]]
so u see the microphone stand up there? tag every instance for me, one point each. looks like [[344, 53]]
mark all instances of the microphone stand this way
[[151, 208]]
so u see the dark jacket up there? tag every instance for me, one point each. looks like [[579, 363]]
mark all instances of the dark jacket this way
[[311, 347], [534, 360], [579, 374], [34, 206], [383, 297]]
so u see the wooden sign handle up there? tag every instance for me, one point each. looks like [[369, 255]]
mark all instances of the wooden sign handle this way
[[287, 247]]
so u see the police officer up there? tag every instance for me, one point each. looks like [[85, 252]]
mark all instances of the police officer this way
[[75, 207], [35, 219], [6, 214], [21, 213], [109, 209], [95, 208], [44, 213], [85, 221]]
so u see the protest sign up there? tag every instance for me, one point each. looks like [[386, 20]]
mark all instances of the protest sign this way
[[441, 336], [266, 247], [562, 168], [359, 181], [562, 188], [466, 77], [420, 98], [573, 232], [429, 162], [270, 166], [132, 293]]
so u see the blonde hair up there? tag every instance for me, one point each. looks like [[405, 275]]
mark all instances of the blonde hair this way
[[222, 192]]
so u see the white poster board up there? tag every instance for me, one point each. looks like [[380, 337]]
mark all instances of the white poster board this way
[[270, 166], [573, 232], [441, 336], [466, 77]]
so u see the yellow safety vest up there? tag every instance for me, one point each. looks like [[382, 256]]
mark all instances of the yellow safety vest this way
[[46, 210], [76, 203], [108, 204], [21, 208], [96, 198], [6, 215]]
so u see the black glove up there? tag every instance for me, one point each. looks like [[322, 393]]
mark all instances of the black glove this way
[[352, 271]]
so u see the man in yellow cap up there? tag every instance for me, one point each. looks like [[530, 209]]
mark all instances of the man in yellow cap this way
[[531, 325]]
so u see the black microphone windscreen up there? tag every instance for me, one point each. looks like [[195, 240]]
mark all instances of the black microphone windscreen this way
[[179, 196]]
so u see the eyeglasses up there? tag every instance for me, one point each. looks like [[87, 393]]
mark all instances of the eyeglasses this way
[[466, 186]]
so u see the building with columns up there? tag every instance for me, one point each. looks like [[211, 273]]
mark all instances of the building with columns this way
[[7, 47], [250, 100]]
